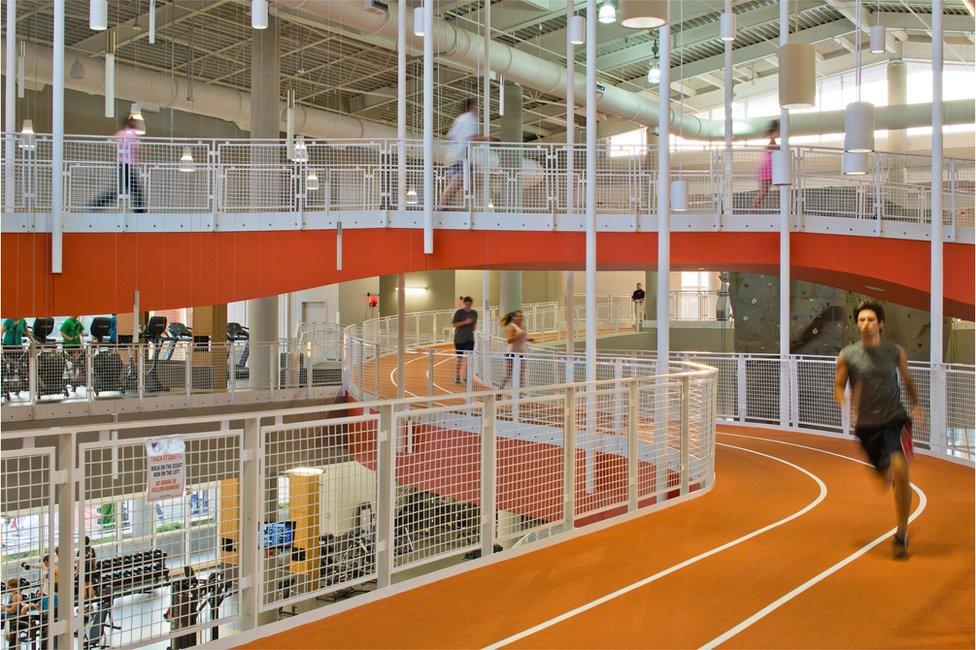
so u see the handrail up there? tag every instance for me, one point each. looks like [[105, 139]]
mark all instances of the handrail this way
[[229, 176]]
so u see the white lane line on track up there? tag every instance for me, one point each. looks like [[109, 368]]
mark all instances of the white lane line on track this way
[[785, 598], [405, 364], [681, 565]]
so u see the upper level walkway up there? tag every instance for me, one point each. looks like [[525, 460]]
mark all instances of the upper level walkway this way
[[205, 210]]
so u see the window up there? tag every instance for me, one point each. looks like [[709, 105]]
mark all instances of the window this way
[[628, 143]]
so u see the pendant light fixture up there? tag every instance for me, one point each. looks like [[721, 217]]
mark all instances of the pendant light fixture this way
[[679, 196], [152, 22], [186, 160], [77, 70], [782, 167], [797, 75], [110, 76], [577, 30], [855, 163], [290, 125], [312, 181], [135, 113], [642, 14], [607, 13], [654, 69], [98, 15], [259, 14], [858, 116], [28, 139], [878, 35], [727, 26], [418, 21], [412, 196]]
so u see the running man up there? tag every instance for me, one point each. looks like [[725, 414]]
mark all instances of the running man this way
[[638, 299], [872, 366], [463, 131], [464, 322]]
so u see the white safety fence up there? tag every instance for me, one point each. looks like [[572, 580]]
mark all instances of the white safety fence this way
[[241, 177], [186, 528], [51, 380], [748, 388]]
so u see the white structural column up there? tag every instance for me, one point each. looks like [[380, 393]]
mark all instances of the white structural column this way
[[728, 81], [401, 333], [591, 180], [262, 313], [10, 104], [57, 136], [429, 199], [401, 103], [662, 392], [664, 205], [937, 401], [570, 173], [511, 130], [509, 290], [785, 192]]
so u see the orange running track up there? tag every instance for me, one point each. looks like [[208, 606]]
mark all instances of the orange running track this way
[[872, 601]]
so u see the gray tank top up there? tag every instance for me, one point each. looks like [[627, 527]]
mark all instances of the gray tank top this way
[[874, 382]]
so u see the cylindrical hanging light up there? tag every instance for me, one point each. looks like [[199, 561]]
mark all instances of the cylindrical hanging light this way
[[186, 160], [577, 30], [152, 22], [412, 196], [654, 73], [109, 85], [797, 75], [290, 125], [418, 21], [782, 167], [859, 127], [28, 139], [642, 14], [855, 163], [259, 14], [728, 26], [877, 39], [607, 13], [312, 181], [21, 69], [679, 196], [98, 15], [135, 113]]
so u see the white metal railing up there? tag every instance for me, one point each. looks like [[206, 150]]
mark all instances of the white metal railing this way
[[51, 380], [248, 176], [684, 304], [748, 384], [336, 500]]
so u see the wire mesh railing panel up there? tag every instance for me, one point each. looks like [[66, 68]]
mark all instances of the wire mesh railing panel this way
[[960, 400], [438, 483], [727, 389], [29, 558], [816, 408], [54, 366], [701, 428], [659, 413], [319, 505], [602, 419], [16, 373], [530, 478], [921, 376], [762, 390], [153, 516]]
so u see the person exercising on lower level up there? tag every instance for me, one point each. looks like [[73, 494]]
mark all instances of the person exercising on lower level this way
[[872, 366]]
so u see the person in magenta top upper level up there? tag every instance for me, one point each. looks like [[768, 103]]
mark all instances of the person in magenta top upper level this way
[[128, 141], [765, 173]]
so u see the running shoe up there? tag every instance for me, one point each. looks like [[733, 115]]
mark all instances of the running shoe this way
[[899, 548]]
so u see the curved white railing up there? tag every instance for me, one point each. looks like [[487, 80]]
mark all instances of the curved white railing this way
[[249, 184], [748, 384]]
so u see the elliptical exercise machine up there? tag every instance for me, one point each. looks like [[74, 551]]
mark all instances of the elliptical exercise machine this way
[[108, 371], [151, 333], [236, 333], [51, 362]]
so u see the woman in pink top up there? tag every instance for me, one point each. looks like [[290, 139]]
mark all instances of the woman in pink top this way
[[128, 139], [765, 173], [517, 339]]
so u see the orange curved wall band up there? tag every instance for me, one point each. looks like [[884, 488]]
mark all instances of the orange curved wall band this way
[[173, 270]]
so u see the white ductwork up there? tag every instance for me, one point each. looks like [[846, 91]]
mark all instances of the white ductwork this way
[[214, 101], [467, 48]]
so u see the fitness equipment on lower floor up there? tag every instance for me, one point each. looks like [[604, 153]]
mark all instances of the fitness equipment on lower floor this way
[[238, 333], [108, 371], [51, 362]]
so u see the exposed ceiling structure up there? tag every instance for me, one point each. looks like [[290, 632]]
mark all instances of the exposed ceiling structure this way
[[332, 66]]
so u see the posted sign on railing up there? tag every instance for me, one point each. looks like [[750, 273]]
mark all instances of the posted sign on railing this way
[[165, 468]]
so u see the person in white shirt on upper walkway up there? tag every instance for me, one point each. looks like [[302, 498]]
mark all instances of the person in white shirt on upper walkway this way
[[464, 130]]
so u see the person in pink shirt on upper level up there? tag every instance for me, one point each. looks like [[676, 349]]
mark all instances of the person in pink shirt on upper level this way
[[128, 139], [765, 173]]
